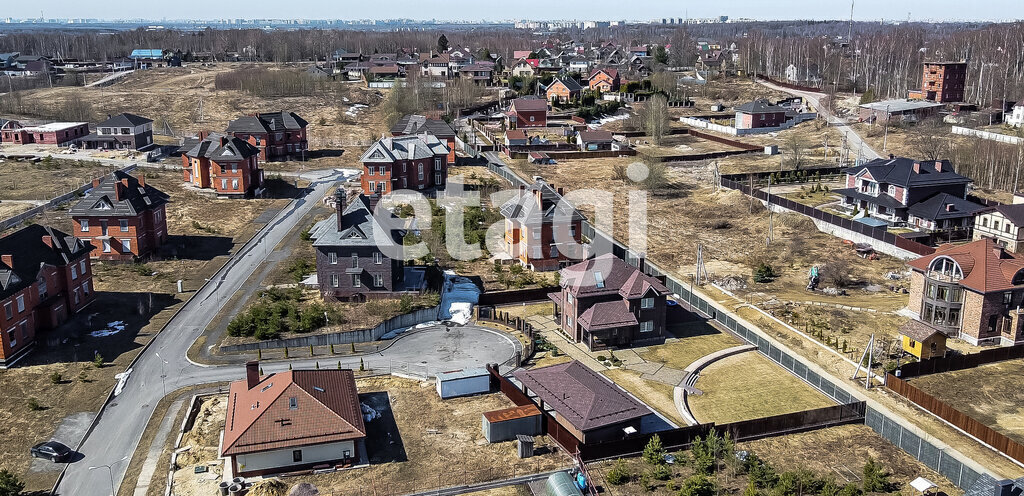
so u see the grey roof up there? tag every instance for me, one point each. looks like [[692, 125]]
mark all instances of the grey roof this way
[[882, 198], [102, 201], [267, 123], [1013, 212], [935, 207], [29, 253], [359, 228], [898, 106], [526, 209], [420, 146], [417, 124], [124, 120], [759, 106], [461, 374], [900, 171], [570, 83], [221, 148], [592, 135]]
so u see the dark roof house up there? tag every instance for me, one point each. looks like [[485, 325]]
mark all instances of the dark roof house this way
[[118, 194], [25, 252]]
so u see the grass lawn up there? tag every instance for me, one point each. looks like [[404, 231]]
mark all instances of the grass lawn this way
[[993, 394], [656, 394], [749, 386], [525, 310], [696, 339]]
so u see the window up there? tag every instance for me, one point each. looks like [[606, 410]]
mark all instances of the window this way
[[572, 232], [355, 260], [234, 184], [373, 186], [531, 118], [599, 279], [223, 184], [126, 246], [405, 166], [942, 293], [647, 303], [8, 310], [332, 258], [437, 178], [106, 246], [536, 233], [554, 250], [42, 288], [537, 253], [81, 267], [296, 456], [74, 273], [124, 225], [234, 168], [125, 130], [953, 319], [21, 303], [334, 280], [293, 403], [378, 280], [84, 225], [926, 315], [378, 258], [419, 169], [911, 343], [1006, 227], [77, 298], [568, 298], [12, 337], [437, 164], [647, 326], [380, 170], [1007, 298], [356, 283], [995, 225], [984, 222], [85, 288]]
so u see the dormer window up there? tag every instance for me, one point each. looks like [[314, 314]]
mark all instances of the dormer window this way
[[599, 279]]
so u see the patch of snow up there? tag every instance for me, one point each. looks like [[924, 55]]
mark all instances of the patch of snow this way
[[457, 298], [122, 378], [344, 99], [105, 332], [369, 414]]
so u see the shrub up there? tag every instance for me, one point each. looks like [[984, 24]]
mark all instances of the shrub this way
[[619, 474], [850, 489], [56, 377], [764, 273], [698, 485], [875, 478], [10, 484], [760, 473], [98, 361], [654, 452], [33, 404], [661, 472]]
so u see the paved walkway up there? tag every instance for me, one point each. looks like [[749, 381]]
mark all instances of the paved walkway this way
[[156, 448]]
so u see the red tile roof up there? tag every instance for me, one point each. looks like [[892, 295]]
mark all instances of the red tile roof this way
[[513, 413], [260, 419], [515, 134], [986, 267], [529, 104]]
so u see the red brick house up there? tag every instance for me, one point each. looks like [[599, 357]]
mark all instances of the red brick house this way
[[974, 292], [404, 162], [291, 421], [942, 82], [417, 124], [604, 80], [541, 232], [759, 113], [563, 90], [123, 217], [527, 112], [45, 276], [279, 135], [54, 133], [605, 302], [228, 165]]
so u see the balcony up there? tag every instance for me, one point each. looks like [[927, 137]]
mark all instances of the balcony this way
[[942, 277]]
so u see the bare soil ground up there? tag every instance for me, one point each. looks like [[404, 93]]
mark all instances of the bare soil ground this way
[[749, 386], [427, 427], [993, 394]]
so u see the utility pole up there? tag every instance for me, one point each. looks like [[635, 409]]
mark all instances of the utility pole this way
[[885, 136]]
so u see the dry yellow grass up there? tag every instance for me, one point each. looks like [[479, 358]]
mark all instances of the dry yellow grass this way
[[688, 348], [23, 180], [655, 394], [749, 386]]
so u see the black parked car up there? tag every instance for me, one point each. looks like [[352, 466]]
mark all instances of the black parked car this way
[[51, 450]]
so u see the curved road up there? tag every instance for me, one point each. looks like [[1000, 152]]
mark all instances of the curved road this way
[[163, 366]]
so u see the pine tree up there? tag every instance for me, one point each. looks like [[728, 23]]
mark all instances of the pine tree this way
[[442, 44]]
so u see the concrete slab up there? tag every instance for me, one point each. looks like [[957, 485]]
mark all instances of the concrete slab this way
[[69, 433], [646, 367], [157, 448], [667, 375]]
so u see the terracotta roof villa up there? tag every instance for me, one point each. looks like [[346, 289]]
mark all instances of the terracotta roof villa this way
[[586, 403], [292, 420]]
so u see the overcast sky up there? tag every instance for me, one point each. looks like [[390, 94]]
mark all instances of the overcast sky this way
[[518, 9]]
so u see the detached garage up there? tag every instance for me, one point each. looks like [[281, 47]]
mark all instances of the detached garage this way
[[463, 382], [506, 424]]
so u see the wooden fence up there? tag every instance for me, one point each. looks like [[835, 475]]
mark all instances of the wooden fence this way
[[960, 362], [961, 420]]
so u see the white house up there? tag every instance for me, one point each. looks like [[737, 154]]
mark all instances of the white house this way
[[1016, 117]]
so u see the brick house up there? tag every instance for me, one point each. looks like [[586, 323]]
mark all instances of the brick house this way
[[972, 292], [279, 135], [45, 276], [604, 80], [228, 165], [594, 139], [1004, 224], [54, 133], [541, 232], [122, 216], [527, 112], [605, 302], [404, 162], [563, 90], [291, 421], [930, 195], [759, 113], [352, 247], [417, 124], [127, 131], [942, 82]]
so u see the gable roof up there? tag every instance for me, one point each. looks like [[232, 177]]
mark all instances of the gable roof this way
[[1013, 212], [529, 105], [124, 120], [917, 330], [101, 201], [590, 135], [900, 171], [260, 419], [759, 106], [221, 148], [267, 122], [612, 73], [569, 83], [607, 315], [417, 124], [525, 207], [359, 228], [584, 398], [616, 276], [515, 134], [29, 253], [944, 206], [415, 147], [986, 267]]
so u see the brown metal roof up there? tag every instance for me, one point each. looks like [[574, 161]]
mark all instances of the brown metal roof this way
[[513, 413], [917, 330], [986, 267], [529, 104], [262, 418], [617, 276], [584, 398], [607, 315]]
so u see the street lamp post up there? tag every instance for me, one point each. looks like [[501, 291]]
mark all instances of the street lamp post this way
[[110, 473], [163, 373]]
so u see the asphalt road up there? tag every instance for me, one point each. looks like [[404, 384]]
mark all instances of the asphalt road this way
[[856, 144]]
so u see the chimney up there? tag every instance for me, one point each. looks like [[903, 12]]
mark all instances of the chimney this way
[[891, 156], [1004, 488], [142, 181], [539, 195], [48, 241], [950, 207], [223, 140], [8, 260], [917, 167], [412, 150], [252, 373], [339, 206], [96, 183], [938, 166], [203, 135], [561, 191], [522, 190]]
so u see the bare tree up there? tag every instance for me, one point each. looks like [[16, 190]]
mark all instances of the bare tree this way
[[794, 147], [654, 117]]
